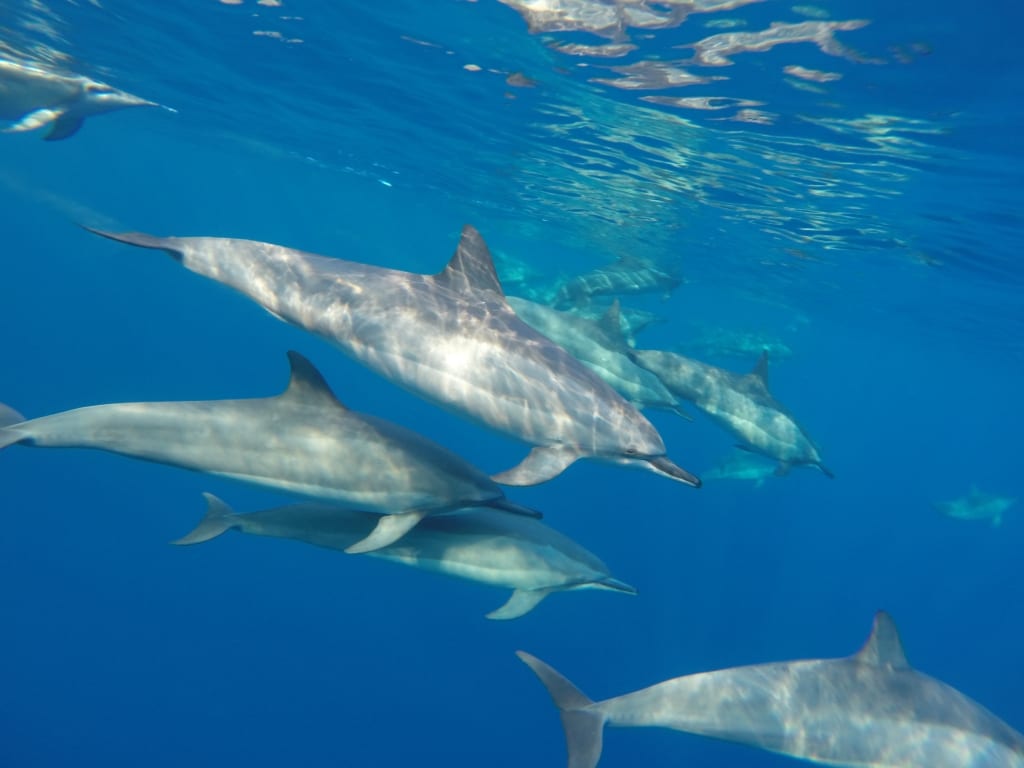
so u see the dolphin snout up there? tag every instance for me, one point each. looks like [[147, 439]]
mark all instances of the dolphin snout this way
[[665, 466]]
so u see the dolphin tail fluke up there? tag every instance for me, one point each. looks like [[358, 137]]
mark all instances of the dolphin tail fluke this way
[[390, 528], [582, 719], [543, 463], [139, 239], [520, 603], [9, 417], [219, 518]]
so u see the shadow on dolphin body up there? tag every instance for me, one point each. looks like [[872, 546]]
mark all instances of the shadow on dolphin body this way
[[451, 338]]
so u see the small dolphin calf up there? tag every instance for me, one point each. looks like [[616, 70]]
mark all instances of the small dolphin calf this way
[[303, 441], [742, 465], [869, 710], [451, 338], [742, 404], [477, 544], [977, 505], [35, 97]]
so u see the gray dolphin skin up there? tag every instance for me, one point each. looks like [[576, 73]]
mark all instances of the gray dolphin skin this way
[[599, 345], [451, 338], [625, 275], [303, 441], [34, 97], [477, 544], [869, 710], [977, 505], [742, 404], [742, 465]]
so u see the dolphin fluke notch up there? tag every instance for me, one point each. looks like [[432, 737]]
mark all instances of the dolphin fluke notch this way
[[582, 719], [471, 269], [140, 240], [219, 518]]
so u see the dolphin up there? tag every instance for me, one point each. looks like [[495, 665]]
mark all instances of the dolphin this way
[[34, 97], [628, 274], [742, 404], [977, 505], [600, 346], [869, 710], [451, 338], [303, 441], [631, 320], [742, 465], [478, 544]]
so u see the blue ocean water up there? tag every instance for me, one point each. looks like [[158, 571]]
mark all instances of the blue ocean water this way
[[852, 191]]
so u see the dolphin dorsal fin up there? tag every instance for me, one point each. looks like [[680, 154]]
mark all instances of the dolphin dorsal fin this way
[[884, 647], [472, 267], [611, 324], [307, 384], [761, 369]]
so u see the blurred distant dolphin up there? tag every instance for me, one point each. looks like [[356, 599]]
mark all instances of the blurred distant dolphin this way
[[449, 337], [742, 404], [303, 441], [870, 710], [35, 97], [742, 465], [478, 544], [628, 274], [977, 505]]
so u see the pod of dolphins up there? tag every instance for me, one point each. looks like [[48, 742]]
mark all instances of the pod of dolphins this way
[[566, 380]]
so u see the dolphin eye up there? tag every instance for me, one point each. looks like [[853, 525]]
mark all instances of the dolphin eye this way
[[631, 451]]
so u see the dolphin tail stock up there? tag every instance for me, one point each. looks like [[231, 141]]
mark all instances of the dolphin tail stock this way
[[9, 417], [219, 517], [390, 528], [504, 505], [582, 719], [139, 239]]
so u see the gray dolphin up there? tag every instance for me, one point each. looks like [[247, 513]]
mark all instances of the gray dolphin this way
[[303, 441], [477, 544], [977, 505], [869, 710], [742, 465], [742, 404], [451, 338], [628, 274], [34, 97], [600, 345]]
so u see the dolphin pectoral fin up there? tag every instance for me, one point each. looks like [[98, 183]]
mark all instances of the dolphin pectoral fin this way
[[34, 120], [521, 602], [390, 528], [64, 126], [582, 719], [542, 463], [678, 410], [219, 518]]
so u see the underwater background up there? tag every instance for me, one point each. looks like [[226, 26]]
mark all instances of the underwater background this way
[[850, 193]]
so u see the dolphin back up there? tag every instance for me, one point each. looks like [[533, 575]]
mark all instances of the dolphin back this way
[[582, 719]]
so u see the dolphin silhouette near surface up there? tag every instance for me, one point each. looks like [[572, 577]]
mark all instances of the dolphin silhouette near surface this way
[[869, 710], [34, 97], [451, 338], [303, 441]]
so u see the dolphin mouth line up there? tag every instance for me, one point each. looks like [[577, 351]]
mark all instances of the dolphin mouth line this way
[[665, 466]]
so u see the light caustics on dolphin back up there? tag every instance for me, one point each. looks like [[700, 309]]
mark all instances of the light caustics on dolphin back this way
[[870, 709], [477, 544], [457, 342]]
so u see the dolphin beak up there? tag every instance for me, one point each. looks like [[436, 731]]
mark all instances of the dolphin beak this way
[[665, 466]]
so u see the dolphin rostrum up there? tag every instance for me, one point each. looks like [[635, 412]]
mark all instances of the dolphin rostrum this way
[[303, 441], [478, 544], [451, 338], [34, 97], [869, 710], [742, 404]]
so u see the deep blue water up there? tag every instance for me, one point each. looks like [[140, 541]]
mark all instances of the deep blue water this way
[[872, 224]]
